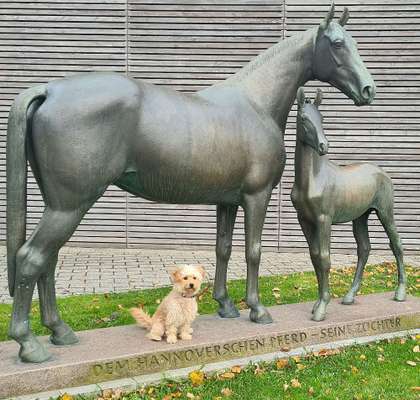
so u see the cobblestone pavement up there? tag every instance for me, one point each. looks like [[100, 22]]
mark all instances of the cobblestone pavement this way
[[97, 270]]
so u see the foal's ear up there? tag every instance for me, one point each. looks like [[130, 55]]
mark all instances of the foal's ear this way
[[344, 17], [300, 97], [328, 18], [318, 98]]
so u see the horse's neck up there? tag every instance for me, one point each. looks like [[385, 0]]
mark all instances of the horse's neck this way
[[308, 164], [271, 80]]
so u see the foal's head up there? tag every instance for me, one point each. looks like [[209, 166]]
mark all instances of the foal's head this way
[[337, 61], [309, 122]]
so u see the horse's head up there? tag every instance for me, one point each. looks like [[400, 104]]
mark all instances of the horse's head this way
[[337, 61], [309, 128]]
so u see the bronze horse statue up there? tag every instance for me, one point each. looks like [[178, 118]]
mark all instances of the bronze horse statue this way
[[222, 145], [325, 194]]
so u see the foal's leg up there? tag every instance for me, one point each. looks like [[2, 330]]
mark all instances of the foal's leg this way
[[255, 207], [34, 260], [361, 234], [226, 216], [320, 255], [386, 216]]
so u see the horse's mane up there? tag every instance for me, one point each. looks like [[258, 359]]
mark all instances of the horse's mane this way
[[271, 52]]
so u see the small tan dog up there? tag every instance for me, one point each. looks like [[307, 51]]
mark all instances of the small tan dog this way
[[177, 310]]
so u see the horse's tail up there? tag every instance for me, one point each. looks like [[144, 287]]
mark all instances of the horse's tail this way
[[142, 317], [16, 172]]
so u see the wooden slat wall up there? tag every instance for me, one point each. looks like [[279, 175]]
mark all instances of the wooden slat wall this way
[[47, 39], [188, 45], [387, 132]]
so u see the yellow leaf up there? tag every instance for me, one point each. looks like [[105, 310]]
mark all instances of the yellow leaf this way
[[300, 367], [416, 349], [411, 363], [381, 358], [157, 301], [282, 363], [416, 388], [236, 369], [354, 369], [226, 375], [66, 396], [296, 359], [196, 377], [362, 357], [167, 397], [295, 383], [402, 341], [190, 396], [311, 391], [226, 392], [285, 386]]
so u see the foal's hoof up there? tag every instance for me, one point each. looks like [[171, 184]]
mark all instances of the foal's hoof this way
[[228, 310], [32, 351], [64, 336], [260, 316], [348, 299], [400, 293]]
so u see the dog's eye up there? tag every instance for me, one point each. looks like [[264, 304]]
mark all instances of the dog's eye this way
[[195, 277], [185, 278]]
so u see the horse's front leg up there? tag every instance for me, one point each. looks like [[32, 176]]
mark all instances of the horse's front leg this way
[[255, 207], [320, 255], [226, 216]]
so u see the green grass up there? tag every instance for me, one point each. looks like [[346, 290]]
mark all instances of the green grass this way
[[376, 371], [98, 311]]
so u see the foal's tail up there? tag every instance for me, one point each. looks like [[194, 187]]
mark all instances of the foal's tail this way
[[16, 171]]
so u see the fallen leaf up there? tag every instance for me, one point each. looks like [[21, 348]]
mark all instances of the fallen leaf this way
[[167, 397], [295, 383], [354, 369], [362, 357], [282, 363], [300, 367], [416, 349], [402, 341], [411, 363], [196, 377], [236, 369], [177, 395], [226, 392], [120, 306], [311, 391], [296, 359], [157, 301], [107, 393], [258, 370], [66, 396], [226, 375], [285, 386], [381, 358], [415, 388], [190, 396], [286, 349]]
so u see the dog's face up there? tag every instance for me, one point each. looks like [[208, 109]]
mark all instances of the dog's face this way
[[187, 279]]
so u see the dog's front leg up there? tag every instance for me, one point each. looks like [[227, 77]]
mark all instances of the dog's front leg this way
[[185, 332], [171, 333]]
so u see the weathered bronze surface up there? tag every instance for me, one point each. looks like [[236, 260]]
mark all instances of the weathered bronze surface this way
[[325, 193], [222, 145]]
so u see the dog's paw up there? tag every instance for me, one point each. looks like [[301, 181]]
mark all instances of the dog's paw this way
[[151, 336], [185, 336], [171, 339]]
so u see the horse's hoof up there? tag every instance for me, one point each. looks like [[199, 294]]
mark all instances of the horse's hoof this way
[[400, 294], [315, 306], [348, 299], [228, 310], [260, 316], [318, 316], [64, 336], [33, 352]]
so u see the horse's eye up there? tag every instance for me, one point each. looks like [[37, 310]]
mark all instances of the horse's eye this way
[[338, 44]]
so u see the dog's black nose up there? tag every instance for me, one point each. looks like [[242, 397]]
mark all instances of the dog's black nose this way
[[191, 285]]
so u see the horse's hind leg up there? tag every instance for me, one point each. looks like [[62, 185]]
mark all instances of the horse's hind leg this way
[[386, 216], [62, 334], [361, 234], [35, 261], [226, 216]]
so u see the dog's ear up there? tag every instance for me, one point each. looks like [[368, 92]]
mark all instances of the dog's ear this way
[[202, 271], [175, 274]]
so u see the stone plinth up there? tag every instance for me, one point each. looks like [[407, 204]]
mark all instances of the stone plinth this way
[[114, 353]]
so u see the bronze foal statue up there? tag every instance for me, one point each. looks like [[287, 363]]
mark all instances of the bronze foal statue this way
[[222, 145], [325, 194]]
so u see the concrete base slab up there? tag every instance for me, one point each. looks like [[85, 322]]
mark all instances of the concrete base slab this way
[[110, 354]]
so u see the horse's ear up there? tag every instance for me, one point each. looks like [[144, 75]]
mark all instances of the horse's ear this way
[[328, 18], [344, 17], [300, 97], [318, 98]]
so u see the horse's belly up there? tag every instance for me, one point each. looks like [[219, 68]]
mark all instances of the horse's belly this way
[[178, 189]]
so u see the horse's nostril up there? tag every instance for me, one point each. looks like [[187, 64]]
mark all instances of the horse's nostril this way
[[367, 92]]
